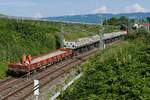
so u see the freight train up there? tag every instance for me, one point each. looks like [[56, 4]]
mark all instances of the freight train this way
[[70, 49]]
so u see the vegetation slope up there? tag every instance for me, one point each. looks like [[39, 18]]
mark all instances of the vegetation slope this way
[[118, 73], [34, 37], [37, 37]]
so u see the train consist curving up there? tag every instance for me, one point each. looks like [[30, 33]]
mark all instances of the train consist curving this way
[[70, 49]]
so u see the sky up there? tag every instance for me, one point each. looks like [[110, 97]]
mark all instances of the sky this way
[[49, 8]]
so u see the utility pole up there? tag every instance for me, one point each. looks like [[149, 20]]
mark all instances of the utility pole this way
[[101, 44], [101, 33]]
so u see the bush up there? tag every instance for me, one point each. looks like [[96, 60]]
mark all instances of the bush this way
[[120, 72]]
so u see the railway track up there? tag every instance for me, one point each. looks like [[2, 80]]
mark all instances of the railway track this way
[[60, 72], [6, 80], [21, 88], [24, 87]]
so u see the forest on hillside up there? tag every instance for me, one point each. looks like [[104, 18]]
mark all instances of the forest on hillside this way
[[121, 72], [34, 37]]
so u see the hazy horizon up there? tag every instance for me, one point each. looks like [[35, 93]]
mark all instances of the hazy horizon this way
[[50, 8]]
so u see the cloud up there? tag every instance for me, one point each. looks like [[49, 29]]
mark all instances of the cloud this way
[[102, 9], [135, 8], [71, 14], [37, 15]]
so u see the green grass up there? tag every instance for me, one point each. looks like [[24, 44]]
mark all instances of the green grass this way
[[3, 70]]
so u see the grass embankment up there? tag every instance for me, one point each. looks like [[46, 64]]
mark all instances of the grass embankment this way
[[120, 72], [34, 37]]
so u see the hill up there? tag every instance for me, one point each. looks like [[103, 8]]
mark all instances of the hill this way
[[96, 18], [34, 37], [1, 15]]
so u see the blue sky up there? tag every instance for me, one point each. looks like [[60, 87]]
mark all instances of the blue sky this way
[[43, 8]]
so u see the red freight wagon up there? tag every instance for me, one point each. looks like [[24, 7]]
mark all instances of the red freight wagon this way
[[40, 61]]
